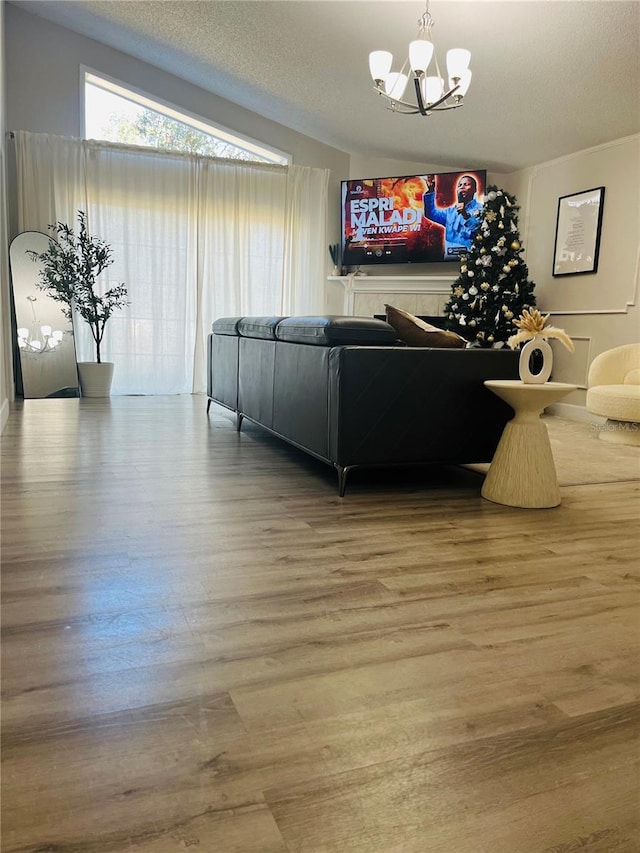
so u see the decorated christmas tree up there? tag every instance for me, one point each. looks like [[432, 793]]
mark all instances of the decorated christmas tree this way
[[493, 288]]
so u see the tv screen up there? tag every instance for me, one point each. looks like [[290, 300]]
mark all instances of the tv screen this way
[[427, 218]]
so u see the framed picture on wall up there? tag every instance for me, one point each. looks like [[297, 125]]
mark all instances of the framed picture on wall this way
[[577, 243]]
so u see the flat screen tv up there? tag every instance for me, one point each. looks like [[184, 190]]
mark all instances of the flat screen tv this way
[[411, 219]]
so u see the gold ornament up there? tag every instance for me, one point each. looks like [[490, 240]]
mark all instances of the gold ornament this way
[[484, 285], [483, 251], [515, 245], [463, 268], [500, 225], [513, 263], [479, 238], [458, 291], [490, 216]]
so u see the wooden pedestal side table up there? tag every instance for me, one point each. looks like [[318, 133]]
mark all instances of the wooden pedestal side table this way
[[523, 472]]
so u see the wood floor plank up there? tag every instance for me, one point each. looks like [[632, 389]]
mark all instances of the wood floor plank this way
[[430, 798]]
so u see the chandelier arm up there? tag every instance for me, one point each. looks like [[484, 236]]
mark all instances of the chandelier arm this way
[[421, 107], [441, 109], [412, 109]]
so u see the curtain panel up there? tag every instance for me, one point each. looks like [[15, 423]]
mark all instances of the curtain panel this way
[[194, 238]]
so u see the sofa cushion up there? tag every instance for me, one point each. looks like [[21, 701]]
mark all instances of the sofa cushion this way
[[259, 327], [333, 330], [226, 326], [618, 402], [416, 333]]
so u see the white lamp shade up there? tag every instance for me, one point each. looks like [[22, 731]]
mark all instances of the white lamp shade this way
[[458, 59], [23, 333], [465, 82], [46, 330], [380, 64], [432, 89], [420, 53], [395, 84]]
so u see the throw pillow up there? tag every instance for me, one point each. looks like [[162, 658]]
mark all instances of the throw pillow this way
[[416, 333]]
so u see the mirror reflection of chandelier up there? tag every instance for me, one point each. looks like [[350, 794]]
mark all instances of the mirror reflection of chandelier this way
[[431, 92], [38, 339]]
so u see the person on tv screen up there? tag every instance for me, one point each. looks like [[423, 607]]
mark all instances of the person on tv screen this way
[[461, 220]]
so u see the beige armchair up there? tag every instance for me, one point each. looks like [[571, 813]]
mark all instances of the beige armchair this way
[[614, 393]]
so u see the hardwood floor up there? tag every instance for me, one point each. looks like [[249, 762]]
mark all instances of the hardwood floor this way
[[204, 647]]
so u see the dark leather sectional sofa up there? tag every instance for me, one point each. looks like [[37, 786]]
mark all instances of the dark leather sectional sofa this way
[[345, 390]]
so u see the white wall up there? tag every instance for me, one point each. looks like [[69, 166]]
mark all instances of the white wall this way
[[6, 382], [600, 310]]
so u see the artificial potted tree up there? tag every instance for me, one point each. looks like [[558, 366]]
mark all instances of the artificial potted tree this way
[[69, 275]]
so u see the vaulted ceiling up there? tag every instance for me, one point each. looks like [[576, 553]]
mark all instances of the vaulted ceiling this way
[[549, 78]]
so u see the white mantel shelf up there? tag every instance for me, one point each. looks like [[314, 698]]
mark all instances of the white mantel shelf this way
[[429, 286], [409, 282]]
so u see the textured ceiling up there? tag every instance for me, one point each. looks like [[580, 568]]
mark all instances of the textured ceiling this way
[[549, 78]]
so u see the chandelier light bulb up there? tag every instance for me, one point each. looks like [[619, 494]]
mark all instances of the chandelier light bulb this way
[[458, 61], [465, 81], [395, 84], [380, 64], [46, 331], [420, 53], [426, 94], [23, 333], [433, 89]]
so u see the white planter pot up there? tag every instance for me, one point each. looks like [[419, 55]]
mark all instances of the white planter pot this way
[[95, 379]]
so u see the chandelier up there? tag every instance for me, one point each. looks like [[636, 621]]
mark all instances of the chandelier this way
[[42, 339], [430, 92]]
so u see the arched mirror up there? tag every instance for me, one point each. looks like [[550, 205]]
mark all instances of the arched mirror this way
[[44, 336]]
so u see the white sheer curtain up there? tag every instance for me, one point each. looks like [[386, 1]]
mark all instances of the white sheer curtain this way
[[193, 238]]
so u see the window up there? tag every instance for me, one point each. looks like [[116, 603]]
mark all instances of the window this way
[[115, 113]]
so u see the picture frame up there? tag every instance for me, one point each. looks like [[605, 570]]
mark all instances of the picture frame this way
[[578, 228]]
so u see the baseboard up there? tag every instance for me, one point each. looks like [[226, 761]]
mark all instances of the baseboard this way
[[4, 414], [574, 413]]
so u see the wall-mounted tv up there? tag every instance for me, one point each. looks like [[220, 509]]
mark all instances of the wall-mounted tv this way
[[427, 218]]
